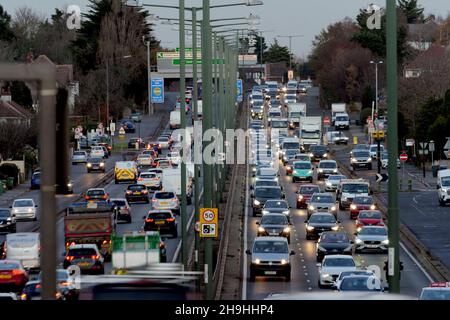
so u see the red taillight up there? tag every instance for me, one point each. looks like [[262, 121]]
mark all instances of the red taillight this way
[[154, 179], [69, 258], [17, 272], [174, 199], [149, 220], [140, 179], [109, 148], [170, 219], [95, 257], [105, 196], [86, 197], [144, 191], [154, 200]]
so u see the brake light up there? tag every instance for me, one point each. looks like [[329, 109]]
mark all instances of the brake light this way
[[162, 245], [105, 196], [95, 257], [106, 241], [149, 220], [128, 192], [154, 179], [109, 148], [170, 219], [69, 258], [17, 272], [174, 199], [154, 200], [86, 197], [23, 296], [140, 179]]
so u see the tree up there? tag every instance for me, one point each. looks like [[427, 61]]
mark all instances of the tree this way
[[277, 53], [6, 34], [260, 41], [412, 11]]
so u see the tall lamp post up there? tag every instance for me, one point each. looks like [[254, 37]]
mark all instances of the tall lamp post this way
[[376, 63], [290, 46]]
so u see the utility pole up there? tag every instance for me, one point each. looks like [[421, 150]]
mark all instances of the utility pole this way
[[149, 75], [290, 46], [393, 211]]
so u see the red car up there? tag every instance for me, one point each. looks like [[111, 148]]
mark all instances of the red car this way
[[288, 169], [305, 193], [360, 203], [12, 274], [369, 218]]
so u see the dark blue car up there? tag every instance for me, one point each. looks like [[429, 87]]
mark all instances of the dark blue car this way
[[36, 180], [128, 126]]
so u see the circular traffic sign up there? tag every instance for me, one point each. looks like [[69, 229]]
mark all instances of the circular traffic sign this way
[[326, 120], [208, 215], [403, 157], [157, 91]]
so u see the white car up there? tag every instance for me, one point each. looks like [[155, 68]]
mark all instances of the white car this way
[[164, 142], [24, 209], [351, 273], [79, 157], [150, 180], [174, 157], [97, 152], [374, 149], [157, 171], [372, 238], [144, 160], [332, 266], [167, 200]]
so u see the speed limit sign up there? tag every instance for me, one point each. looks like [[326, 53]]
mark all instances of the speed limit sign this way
[[209, 219]]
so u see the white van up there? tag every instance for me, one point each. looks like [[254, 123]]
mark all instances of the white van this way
[[175, 119], [171, 181], [342, 121], [24, 247], [443, 186]]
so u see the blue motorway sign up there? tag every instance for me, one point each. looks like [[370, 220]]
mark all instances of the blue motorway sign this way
[[157, 90], [239, 90]]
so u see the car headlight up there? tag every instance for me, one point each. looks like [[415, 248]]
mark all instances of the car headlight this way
[[335, 228], [300, 197], [89, 165], [261, 229], [288, 168], [311, 207], [284, 261], [328, 183], [333, 208], [372, 207], [310, 172], [325, 155], [310, 228], [358, 229], [265, 212], [287, 230], [386, 242], [369, 160], [256, 202], [320, 170], [325, 275], [358, 241], [69, 185], [353, 207], [254, 169], [102, 164], [335, 170], [257, 261], [311, 155], [30, 210], [286, 212], [354, 160], [284, 158], [16, 210]]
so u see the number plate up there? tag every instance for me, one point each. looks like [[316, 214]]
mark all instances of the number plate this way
[[160, 222], [5, 276], [82, 264], [270, 272], [163, 203], [136, 193], [372, 246]]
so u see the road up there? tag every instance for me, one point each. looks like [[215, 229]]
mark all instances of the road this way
[[304, 269]]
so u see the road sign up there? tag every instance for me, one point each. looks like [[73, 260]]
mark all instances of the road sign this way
[[157, 90], [404, 157], [209, 220], [423, 145], [431, 146], [121, 131], [381, 177], [291, 74], [410, 142], [239, 90], [112, 126], [326, 121]]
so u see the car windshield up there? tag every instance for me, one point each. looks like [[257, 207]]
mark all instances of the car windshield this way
[[435, 294], [279, 124], [363, 200], [96, 160], [361, 154], [61, 275], [291, 97], [270, 247], [375, 148], [274, 114], [257, 97], [373, 231], [268, 192], [354, 273], [291, 152], [291, 145], [4, 213], [355, 188], [445, 181], [159, 215], [310, 134], [334, 237], [276, 204], [321, 218], [9, 266], [275, 103], [359, 284], [137, 187], [322, 199], [23, 203], [267, 183], [82, 252], [164, 195], [318, 149], [309, 190], [361, 147], [163, 139], [302, 165], [148, 175], [274, 219], [338, 262], [119, 202], [328, 165], [79, 153], [295, 115], [96, 192], [370, 215], [265, 173]]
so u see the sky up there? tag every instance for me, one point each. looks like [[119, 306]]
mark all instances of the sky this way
[[305, 18]]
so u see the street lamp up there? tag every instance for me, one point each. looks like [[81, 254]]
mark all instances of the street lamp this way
[[376, 88], [290, 46]]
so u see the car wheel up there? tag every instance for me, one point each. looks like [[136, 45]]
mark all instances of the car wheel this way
[[308, 237], [129, 219], [288, 239], [254, 213]]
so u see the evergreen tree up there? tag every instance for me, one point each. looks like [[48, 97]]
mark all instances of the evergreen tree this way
[[412, 11], [6, 33]]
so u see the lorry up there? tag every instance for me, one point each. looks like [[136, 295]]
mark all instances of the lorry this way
[[137, 250], [171, 181], [310, 131], [295, 112], [175, 119], [337, 108], [24, 247], [91, 222]]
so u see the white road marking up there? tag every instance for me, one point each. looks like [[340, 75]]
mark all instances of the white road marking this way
[[430, 279]]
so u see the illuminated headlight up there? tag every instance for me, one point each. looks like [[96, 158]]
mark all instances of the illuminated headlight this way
[[358, 241], [300, 197], [309, 228], [287, 230], [353, 207], [289, 168], [285, 158], [257, 261], [354, 160], [261, 229], [16, 210], [102, 164], [251, 101], [89, 165], [69, 185], [333, 208], [372, 207], [256, 203], [277, 145], [386, 242], [358, 229], [335, 228], [311, 155], [254, 169], [325, 155], [311, 207], [286, 212], [335, 170], [265, 212], [30, 210], [310, 172], [369, 160], [328, 183], [284, 261], [320, 170], [325, 276]]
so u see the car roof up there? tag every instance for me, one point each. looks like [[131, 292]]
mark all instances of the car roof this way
[[159, 211], [270, 239], [265, 187], [323, 194], [336, 256], [96, 189], [322, 214]]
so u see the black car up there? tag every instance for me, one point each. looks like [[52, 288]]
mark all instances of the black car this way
[[132, 143], [332, 242], [276, 225], [262, 194], [320, 222], [318, 153], [7, 221], [161, 220], [137, 192], [96, 164], [33, 291], [123, 209]]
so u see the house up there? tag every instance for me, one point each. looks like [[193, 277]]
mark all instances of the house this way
[[12, 112], [421, 36], [426, 61]]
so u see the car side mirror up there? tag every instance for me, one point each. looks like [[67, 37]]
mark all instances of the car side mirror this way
[[248, 252], [292, 253]]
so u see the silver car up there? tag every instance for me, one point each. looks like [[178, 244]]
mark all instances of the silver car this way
[[322, 202], [372, 238], [270, 257], [166, 200], [24, 209], [79, 157], [332, 182]]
